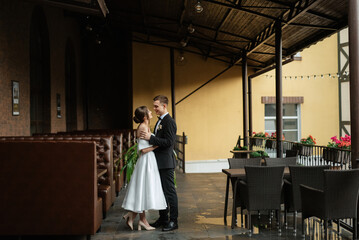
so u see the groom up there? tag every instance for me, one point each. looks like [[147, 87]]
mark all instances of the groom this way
[[165, 137]]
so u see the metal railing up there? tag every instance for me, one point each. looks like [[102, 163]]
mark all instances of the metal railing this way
[[181, 141], [308, 155]]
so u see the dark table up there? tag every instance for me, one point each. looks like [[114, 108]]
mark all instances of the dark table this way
[[234, 175]]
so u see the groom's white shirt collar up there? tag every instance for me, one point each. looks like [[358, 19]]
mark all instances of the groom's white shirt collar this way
[[162, 116]]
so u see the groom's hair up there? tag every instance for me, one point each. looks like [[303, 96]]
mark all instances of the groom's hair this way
[[162, 99]]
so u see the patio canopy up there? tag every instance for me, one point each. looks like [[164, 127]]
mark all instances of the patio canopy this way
[[222, 29]]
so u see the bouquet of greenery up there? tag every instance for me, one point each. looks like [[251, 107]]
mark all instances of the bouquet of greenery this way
[[130, 159]]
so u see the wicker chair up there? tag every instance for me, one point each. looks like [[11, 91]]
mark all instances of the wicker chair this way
[[281, 161], [241, 162], [337, 200], [262, 190], [311, 176]]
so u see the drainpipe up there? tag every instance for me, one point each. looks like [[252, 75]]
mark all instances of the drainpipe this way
[[278, 81], [353, 22]]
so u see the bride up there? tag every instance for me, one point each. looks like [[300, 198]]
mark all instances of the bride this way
[[144, 190]]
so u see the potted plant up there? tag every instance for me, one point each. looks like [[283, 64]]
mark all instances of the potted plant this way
[[239, 148], [334, 151], [306, 147], [237, 154], [258, 138], [259, 154], [271, 142]]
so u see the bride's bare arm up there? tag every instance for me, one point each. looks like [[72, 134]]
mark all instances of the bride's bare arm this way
[[149, 149]]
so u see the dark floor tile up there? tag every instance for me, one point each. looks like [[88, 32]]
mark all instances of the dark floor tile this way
[[201, 205]]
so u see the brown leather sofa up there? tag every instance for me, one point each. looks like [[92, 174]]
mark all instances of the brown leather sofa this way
[[103, 159], [49, 188], [123, 139]]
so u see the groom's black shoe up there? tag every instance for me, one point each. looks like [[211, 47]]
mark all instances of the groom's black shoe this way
[[159, 223], [170, 226]]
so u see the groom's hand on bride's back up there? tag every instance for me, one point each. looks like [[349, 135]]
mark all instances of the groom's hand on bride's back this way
[[145, 135]]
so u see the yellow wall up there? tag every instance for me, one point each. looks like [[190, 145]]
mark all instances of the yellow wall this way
[[151, 76], [320, 110], [212, 117]]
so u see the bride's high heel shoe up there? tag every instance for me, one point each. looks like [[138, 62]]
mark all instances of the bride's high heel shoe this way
[[129, 220], [148, 228]]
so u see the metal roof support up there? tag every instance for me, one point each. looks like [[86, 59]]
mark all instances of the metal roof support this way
[[353, 20], [244, 94], [278, 83], [173, 99], [250, 126]]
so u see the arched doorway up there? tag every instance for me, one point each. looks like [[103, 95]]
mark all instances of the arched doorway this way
[[40, 91], [71, 89]]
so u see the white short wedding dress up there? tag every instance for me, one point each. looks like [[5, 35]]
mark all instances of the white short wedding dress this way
[[144, 192]]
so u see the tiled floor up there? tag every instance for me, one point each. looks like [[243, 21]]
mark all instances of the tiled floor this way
[[201, 203]]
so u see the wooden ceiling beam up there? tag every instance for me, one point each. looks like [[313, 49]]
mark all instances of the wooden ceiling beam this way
[[224, 19], [240, 8], [313, 26], [323, 15], [201, 39], [298, 9], [178, 48], [283, 3], [183, 13], [264, 53], [72, 6], [143, 12], [174, 21]]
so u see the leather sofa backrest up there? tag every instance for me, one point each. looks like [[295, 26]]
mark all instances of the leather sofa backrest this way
[[51, 187]]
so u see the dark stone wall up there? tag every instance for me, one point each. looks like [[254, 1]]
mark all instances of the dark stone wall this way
[[103, 72], [109, 81]]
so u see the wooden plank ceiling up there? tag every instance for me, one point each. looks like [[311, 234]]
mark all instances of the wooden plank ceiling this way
[[227, 29]]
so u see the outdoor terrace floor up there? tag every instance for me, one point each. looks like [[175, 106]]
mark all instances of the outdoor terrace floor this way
[[201, 204]]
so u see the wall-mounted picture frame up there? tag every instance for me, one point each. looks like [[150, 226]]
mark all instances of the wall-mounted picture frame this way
[[15, 86], [58, 105]]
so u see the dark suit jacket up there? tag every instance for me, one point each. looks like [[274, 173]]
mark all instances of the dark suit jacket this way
[[165, 139]]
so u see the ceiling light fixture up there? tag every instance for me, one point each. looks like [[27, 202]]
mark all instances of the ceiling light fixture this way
[[181, 60], [98, 40], [190, 28], [88, 28], [198, 7], [184, 42]]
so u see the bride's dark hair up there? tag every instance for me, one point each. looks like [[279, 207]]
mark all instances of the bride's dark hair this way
[[140, 114]]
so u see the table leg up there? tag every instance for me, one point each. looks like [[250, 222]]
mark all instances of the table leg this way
[[234, 215], [226, 202]]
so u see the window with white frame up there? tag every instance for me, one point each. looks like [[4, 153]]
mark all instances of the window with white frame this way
[[291, 120]]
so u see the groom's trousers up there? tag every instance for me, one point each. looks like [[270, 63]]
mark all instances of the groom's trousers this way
[[169, 190]]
